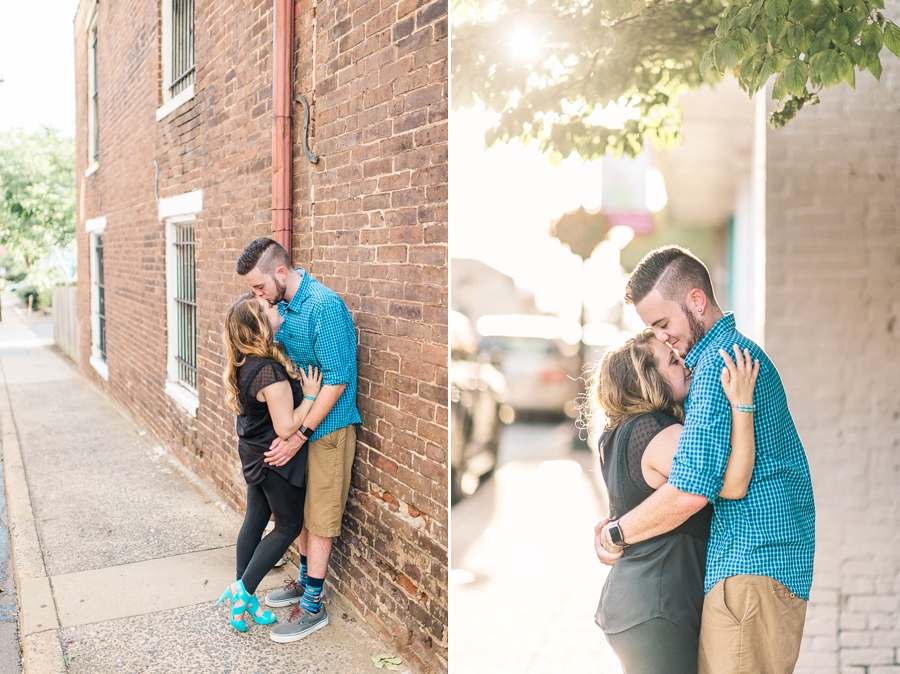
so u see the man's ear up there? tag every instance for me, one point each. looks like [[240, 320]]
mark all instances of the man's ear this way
[[697, 301]]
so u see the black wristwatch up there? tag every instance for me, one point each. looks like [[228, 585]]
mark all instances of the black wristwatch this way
[[616, 535], [306, 431]]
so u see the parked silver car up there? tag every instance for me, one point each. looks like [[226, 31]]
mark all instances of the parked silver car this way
[[538, 355]]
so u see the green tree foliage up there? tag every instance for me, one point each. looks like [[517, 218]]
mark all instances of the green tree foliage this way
[[550, 66], [37, 193]]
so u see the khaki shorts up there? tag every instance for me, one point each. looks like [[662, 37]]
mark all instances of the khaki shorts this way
[[750, 625], [328, 481]]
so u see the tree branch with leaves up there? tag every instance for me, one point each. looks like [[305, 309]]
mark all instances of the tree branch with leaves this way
[[37, 193], [552, 68]]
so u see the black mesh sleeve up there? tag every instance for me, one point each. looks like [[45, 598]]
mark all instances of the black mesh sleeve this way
[[644, 429], [268, 374]]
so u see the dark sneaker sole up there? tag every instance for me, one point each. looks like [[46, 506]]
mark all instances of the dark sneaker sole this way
[[278, 603], [287, 638]]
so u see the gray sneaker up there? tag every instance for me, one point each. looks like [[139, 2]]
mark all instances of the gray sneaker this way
[[289, 594], [299, 625]]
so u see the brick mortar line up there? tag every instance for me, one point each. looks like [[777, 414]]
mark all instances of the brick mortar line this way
[[41, 651]]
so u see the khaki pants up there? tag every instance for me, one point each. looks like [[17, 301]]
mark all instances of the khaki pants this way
[[750, 625], [328, 481]]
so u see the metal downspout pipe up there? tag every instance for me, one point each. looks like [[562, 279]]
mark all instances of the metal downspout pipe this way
[[282, 147]]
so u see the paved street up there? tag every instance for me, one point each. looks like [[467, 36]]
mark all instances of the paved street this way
[[119, 554], [525, 580]]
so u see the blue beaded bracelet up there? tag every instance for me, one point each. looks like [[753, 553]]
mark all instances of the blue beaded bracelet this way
[[744, 408], [310, 397]]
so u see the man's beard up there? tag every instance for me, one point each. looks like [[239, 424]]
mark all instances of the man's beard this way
[[279, 291], [698, 331]]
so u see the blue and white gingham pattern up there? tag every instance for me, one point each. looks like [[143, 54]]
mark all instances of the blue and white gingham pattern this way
[[318, 331], [771, 531]]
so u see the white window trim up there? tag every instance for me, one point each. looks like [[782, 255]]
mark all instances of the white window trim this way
[[175, 211], [91, 15], [91, 25], [174, 103], [170, 103], [189, 203], [95, 227], [186, 399], [100, 366]]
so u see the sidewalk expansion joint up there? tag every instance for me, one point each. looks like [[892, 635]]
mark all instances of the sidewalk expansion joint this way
[[151, 586]]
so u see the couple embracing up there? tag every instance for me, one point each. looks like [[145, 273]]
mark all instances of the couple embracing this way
[[712, 529], [290, 377]]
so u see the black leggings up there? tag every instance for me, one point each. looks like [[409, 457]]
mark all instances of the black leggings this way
[[657, 646], [257, 555]]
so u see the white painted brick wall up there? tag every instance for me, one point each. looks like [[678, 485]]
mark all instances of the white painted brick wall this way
[[833, 330]]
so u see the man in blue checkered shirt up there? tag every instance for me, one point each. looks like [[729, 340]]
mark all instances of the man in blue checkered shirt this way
[[760, 552], [317, 330]]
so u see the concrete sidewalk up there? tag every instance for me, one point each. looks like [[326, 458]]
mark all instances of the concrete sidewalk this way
[[525, 579], [119, 555]]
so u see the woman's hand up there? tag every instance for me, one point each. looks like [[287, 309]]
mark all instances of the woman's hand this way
[[739, 376], [738, 382], [311, 381]]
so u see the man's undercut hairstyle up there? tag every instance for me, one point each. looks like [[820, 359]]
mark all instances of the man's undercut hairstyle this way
[[674, 271], [264, 254]]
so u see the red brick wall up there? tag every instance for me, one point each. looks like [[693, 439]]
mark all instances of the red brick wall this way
[[370, 222], [376, 231]]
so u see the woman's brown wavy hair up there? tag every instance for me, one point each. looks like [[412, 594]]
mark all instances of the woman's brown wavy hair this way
[[627, 383], [248, 333]]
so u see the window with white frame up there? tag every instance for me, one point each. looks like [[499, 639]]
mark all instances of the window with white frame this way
[[96, 229], [101, 299], [179, 214], [93, 94], [185, 300], [178, 55]]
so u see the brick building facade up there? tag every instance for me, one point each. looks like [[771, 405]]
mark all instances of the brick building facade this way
[[833, 329], [162, 171]]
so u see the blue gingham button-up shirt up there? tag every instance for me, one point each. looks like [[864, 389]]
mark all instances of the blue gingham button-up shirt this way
[[318, 331], [771, 531]]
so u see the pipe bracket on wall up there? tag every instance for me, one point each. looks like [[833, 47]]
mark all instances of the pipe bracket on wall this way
[[309, 155]]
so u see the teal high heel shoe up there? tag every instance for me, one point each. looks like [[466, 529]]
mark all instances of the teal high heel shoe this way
[[236, 611], [267, 618]]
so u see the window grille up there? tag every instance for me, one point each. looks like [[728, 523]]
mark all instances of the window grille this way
[[186, 305], [94, 102], [182, 71], [101, 299]]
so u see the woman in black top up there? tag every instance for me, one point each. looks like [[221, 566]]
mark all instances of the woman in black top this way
[[271, 399], [651, 603]]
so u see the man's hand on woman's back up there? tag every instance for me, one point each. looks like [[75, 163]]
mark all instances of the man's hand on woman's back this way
[[601, 538]]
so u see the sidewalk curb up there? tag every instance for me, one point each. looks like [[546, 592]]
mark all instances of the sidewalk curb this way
[[41, 649]]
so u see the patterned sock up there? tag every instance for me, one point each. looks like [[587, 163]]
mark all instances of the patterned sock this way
[[311, 601], [302, 577]]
